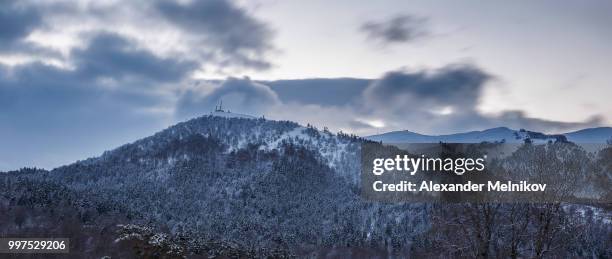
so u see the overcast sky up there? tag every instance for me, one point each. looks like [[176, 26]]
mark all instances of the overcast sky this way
[[81, 77]]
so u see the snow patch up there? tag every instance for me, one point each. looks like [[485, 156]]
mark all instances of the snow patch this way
[[231, 115]]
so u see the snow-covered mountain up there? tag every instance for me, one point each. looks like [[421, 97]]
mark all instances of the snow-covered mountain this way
[[591, 135], [259, 185], [501, 134], [255, 182], [227, 114]]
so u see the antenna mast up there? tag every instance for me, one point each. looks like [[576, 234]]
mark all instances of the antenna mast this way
[[219, 106]]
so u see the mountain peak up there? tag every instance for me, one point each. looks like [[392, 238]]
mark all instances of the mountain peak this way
[[498, 129], [227, 114]]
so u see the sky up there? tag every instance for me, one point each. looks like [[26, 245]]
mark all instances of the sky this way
[[81, 77]]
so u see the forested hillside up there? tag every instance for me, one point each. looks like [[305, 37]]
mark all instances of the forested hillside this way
[[239, 187]]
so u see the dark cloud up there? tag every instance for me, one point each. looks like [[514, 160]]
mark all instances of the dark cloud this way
[[214, 32], [38, 93], [44, 107], [113, 89], [442, 100], [17, 20], [224, 26], [238, 95], [107, 56], [320, 91], [398, 29], [112, 56], [37, 87], [455, 86], [52, 115], [446, 100]]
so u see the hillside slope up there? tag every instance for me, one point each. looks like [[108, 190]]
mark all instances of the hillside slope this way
[[253, 182]]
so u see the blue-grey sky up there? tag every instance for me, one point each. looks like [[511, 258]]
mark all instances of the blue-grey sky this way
[[81, 77]]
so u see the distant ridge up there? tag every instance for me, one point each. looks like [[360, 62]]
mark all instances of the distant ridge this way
[[590, 135], [499, 134]]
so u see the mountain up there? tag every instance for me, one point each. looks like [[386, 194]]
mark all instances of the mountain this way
[[228, 185], [255, 183], [592, 135], [500, 134]]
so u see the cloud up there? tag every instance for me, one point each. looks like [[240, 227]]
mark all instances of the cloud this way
[[456, 86], [106, 58], [320, 91], [224, 26], [44, 107], [446, 100], [398, 29], [110, 55], [361, 125], [238, 95], [218, 34], [17, 20], [443, 100], [54, 116], [91, 76], [120, 70]]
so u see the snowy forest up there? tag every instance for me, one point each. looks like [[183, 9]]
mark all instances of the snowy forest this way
[[243, 188]]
